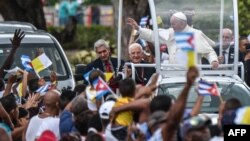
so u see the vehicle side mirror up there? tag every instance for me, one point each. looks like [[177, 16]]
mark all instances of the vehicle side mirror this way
[[79, 69]]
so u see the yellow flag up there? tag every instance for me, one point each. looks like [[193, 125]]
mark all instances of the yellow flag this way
[[191, 58], [20, 89], [108, 76], [41, 62], [159, 20]]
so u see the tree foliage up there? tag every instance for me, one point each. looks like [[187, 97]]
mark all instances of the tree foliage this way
[[244, 17]]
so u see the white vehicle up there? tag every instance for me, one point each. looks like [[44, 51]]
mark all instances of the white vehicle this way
[[31, 43]]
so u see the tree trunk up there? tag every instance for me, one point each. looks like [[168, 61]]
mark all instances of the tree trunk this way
[[131, 8], [24, 10]]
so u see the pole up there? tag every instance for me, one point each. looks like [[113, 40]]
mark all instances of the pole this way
[[119, 33], [156, 33], [236, 36], [221, 25]]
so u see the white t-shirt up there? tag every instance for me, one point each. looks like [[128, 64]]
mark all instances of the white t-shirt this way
[[51, 124], [33, 127], [157, 136], [108, 134]]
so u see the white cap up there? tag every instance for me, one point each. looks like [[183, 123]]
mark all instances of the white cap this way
[[180, 15], [105, 109]]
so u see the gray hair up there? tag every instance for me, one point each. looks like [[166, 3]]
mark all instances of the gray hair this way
[[79, 104], [100, 43], [228, 30], [133, 45]]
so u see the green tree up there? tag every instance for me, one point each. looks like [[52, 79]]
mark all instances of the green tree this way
[[244, 17], [131, 8]]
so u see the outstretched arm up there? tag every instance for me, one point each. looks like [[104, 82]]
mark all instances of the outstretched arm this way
[[197, 106], [176, 112], [15, 41]]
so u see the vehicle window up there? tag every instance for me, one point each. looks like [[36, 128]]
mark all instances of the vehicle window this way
[[32, 51], [210, 103]]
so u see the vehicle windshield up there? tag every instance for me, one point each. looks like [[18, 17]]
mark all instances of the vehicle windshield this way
[[48, 48], [210, 103]]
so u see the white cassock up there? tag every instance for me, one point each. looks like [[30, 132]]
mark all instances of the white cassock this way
[[167, 36]]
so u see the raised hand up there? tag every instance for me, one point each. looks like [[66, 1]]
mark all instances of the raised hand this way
[[53, 77], [132, 23], [215, 64], [192, 74], [220, 59], [17, 38], [12, 79], [153, 83], [32, 101]]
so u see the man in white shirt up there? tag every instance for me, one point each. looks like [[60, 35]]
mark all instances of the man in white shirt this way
[[51, 102], [167, 36]]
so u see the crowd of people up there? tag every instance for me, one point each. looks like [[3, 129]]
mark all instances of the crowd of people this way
[[135, 114]]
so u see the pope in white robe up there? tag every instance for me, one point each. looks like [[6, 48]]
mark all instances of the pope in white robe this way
[[167, 36]]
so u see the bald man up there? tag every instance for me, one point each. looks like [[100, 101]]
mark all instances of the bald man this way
[[46, 120], [142, 74], [167, 36]]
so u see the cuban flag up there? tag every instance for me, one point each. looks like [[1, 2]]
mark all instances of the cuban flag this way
[[185, 43], [43, 89], [26, 62], [206, 88], [143, 21], [101, 88], [184, 40]]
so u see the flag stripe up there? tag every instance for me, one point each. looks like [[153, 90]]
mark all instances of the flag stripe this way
[[26, 62], [43, 89]]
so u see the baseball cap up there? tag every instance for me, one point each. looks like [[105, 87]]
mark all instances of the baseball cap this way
[[47, 135], [105, 109], [156, 118], [195, 122]]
